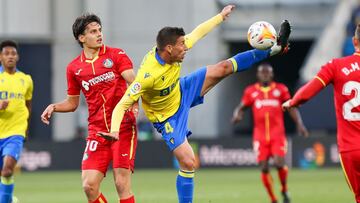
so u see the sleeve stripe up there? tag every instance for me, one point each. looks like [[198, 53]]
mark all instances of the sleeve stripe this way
[[321, 80]]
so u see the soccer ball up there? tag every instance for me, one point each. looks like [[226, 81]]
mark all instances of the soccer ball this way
[[261, 35]]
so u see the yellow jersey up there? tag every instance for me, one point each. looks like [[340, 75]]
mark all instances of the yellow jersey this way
[[157, 83], [17, 88]]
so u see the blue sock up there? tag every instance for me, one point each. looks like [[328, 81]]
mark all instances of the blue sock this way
[[6, 189], [185, 186], [244, 60]]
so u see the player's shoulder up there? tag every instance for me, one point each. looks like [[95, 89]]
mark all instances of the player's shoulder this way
[[24, 75], [115, 50], [251, 88], [280, 85], [149, 61], [74, 62]]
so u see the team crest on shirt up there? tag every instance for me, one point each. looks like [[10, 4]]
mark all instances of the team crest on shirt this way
[[108, 63], [136, 87], [276, 93], [146, 75]]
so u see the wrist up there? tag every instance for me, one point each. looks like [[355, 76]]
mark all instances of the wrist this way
[[53, 107]]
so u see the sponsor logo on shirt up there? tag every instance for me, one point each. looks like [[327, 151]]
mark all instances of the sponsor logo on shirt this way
[[136, 87], [266, 102], [106, 77], [108, 63]]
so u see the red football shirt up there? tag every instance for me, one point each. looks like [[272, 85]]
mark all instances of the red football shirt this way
[[101, 82], [267, 112], [344, 74]]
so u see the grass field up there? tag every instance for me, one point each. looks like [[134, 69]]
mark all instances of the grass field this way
[[212, 186]]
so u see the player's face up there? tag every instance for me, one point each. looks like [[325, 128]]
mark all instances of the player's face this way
[[356, 43], [9, 57], [178, 51], [92, 37], [265, 74]]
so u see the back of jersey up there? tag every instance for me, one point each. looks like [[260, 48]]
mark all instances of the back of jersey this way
[[346, 80]]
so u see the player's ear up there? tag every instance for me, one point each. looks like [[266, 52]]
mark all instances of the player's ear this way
[[81, 38], [356, 42], [169, 48]]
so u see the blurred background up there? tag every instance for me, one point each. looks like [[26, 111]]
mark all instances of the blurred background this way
[[322, 29]]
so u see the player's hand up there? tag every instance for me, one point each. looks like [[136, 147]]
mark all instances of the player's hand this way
[[135, 109], [286, 105], [226, 11], [303, 131], [237, 117], [4, 104], [109, 136], [46, 115]]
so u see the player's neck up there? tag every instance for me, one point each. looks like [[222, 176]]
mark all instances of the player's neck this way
[[91, 53], [265, 84], [165, 57], [10, 70]]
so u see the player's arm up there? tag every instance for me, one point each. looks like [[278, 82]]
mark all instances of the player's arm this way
[[129, 77], [70, 104], [238, 113], [28, 104], [296, 117], [305, 93], [204, 28], [3, 104]]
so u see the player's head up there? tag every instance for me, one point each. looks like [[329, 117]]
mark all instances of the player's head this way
[[9, 54], [171, 41], [356, 38], [87, 30], [265, 73]]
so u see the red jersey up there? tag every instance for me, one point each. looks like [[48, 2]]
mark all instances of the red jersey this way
[[267, 112], [103, 86], [344, 74]]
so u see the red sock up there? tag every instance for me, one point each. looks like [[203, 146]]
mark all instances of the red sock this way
[[128, 200], [268, 183], [283, 173], [100, 199]]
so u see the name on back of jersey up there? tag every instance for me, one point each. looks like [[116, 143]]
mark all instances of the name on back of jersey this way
[[348, 70]]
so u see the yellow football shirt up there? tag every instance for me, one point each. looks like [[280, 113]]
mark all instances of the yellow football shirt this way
[[157, 83], [17, 88]]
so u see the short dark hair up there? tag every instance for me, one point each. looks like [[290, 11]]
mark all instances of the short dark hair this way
[[8, 43], [168, 35], [357, 31], [81, 22]]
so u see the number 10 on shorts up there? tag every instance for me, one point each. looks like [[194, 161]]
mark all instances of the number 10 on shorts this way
[[91, 145]]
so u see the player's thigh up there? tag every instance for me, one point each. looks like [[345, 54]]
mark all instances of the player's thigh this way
[[124, 149], [279, 147], [215, 73], [11, 151], [262, 150], [97, 155], [350, 162]]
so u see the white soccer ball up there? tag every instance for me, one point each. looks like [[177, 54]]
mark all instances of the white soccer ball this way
[[262, 35]]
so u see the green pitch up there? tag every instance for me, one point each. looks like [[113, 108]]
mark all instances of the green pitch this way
[[211, 186]]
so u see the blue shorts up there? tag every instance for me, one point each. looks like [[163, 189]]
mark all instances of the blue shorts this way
[[11, 146], [174, 130]]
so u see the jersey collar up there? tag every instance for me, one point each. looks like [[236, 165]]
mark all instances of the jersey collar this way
[[101, 52], [2, 69], [158, 58], [265, 89]]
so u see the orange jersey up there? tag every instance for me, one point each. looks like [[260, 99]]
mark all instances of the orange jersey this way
[[267, 112]]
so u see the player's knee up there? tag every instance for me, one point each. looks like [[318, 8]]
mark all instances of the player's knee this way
[[223, 69], [121, 185], [189, 163], [265, 170], [279, 164], [7, 172], [90, 187]]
